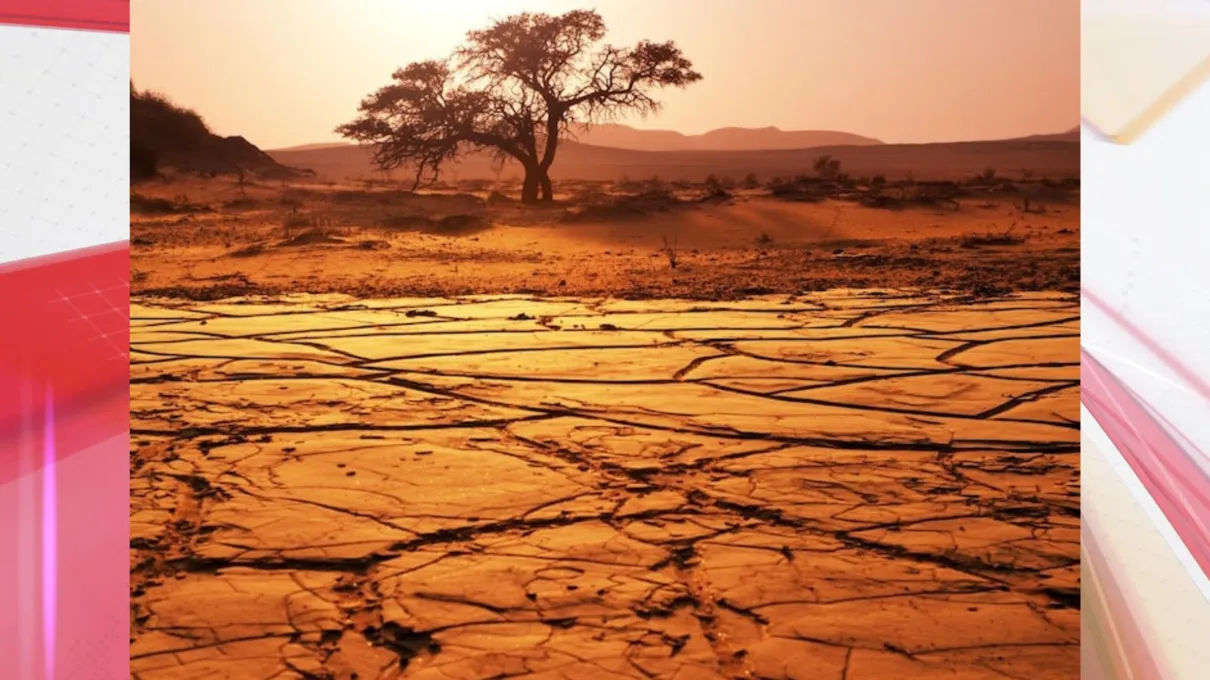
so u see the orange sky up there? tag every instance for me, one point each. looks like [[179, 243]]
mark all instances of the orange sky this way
[[285, 72]]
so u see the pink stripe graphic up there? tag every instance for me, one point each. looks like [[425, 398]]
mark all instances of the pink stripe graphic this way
[[1170, 360], [50, 539], [1178, 485], [1165, 460]]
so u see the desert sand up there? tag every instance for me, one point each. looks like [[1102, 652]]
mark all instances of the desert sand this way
[[214, 239]]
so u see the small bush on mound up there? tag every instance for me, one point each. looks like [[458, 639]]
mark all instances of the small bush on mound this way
[[657, 198], [249, 251], [714, 184], [717, 195], [626, 207], [985, 178], [626, 185], [241, 204], [717, 189], [453, 225], [793, 191], [1068, 183], [987, 289], [881, 201], [934, 194], [148, 205], [1006, 238]]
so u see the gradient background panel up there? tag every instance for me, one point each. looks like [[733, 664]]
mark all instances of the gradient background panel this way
[[1145, 362], [64, 282]]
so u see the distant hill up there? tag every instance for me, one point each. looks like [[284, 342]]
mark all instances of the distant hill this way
[[164, 135], [311, 147], [617, 136], [957, 160], [722, 139], [1072, 135]]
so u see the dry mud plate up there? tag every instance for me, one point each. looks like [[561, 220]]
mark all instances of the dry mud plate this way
[[840, 486]]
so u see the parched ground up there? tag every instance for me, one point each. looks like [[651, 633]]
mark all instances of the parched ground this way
[[208, 240], [843, 485]]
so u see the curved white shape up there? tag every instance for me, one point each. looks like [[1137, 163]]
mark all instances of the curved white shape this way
[[1139, 60], [64, 140]]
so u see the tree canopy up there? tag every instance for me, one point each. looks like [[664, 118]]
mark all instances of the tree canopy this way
[[514, 89]]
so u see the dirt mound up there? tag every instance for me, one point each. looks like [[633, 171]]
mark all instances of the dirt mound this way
[[165, 135], [616, 208], [497, 198], [312, 237], [150, 205], [450, 225]]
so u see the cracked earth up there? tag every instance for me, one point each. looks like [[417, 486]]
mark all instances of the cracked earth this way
[[841, 486]]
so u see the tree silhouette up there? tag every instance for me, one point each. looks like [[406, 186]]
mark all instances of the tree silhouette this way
[[514, 89], [827, 167]]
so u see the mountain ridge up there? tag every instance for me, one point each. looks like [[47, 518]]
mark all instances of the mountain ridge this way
[[729, 138]]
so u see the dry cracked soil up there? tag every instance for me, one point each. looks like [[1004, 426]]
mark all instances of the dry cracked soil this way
[[836, 486]]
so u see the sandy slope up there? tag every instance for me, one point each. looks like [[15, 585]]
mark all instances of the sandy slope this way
[[369, 243]]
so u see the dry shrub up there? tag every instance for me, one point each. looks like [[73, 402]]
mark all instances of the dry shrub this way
[[1005, 238], [670, 251]]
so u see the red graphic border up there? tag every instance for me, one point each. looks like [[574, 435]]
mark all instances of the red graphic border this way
[[89, 15]]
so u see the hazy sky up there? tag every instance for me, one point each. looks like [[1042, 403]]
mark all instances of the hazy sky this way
[[286, 72]]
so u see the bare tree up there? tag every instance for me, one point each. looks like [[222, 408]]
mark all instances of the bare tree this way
[[513, 90]]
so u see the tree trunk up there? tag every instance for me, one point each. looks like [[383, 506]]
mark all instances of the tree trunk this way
[[530, 186], [548, 154]]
